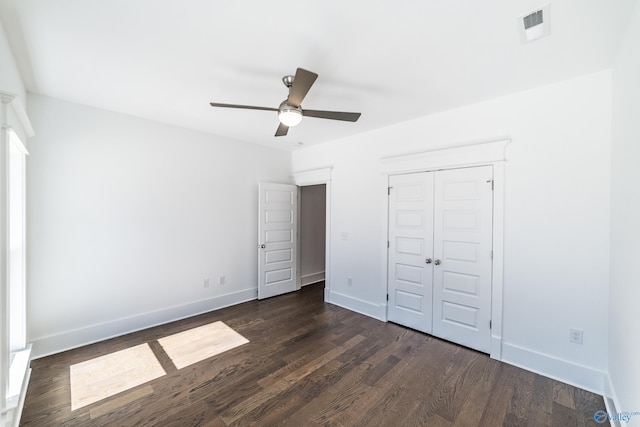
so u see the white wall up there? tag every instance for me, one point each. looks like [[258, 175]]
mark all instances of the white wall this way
[[127, 217], [624, 304], [556, 210], [312, 233]]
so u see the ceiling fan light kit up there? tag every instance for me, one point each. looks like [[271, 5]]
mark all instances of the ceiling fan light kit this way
[[289, 112], [288, 115]]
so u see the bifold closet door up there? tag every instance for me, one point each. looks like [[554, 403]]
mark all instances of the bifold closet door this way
[[410, 269], [463, 232]]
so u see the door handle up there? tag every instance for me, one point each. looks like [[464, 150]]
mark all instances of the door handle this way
[[262, 246], [428, 261], [437, 262]]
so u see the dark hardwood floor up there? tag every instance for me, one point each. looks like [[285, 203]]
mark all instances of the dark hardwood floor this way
[[312, 364]]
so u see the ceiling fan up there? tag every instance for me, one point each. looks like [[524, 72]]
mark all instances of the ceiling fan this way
[[289, 112]]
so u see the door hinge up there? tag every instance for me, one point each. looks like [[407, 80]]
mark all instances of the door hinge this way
[[389, 191], [491, 254], [491, 181], [489, 324], [387, 297], [387, 244]]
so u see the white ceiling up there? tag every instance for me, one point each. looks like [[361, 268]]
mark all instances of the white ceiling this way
[[391, 60]]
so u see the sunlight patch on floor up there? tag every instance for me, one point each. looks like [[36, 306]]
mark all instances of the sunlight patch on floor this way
[[108, 375], [192, 346], [105, 376]]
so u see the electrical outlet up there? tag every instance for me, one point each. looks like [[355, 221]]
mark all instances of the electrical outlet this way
[[222, 280], [575, 336], [349, 281], [205, 282]]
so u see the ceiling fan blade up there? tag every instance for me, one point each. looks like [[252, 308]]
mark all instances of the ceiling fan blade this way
[[302, 82], [246, 107], [282, 130], [333, 115]]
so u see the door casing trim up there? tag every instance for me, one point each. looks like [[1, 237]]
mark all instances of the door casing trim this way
[[491, 153], [315, 177]]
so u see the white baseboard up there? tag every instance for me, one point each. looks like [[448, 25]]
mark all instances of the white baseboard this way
[[570, 373], [11, 418], [611, 401], [310, 279], [19, 373], [57, 343], [367, 308], [23, 395], [496, 347]]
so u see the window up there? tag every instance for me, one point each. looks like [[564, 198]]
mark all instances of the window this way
[[16, 342], [15, 353], [16, 262]]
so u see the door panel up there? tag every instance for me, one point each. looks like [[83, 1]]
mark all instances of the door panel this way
[[277, 212], [463, 243], [410, 279]]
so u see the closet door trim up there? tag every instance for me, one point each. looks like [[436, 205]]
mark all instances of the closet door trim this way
[[472, 154]]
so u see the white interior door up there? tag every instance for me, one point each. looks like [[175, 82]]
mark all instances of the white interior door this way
[[463, 254], [410, 268], [277, 241]]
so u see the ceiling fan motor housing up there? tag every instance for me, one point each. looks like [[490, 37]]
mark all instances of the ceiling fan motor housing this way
[[288, 80]]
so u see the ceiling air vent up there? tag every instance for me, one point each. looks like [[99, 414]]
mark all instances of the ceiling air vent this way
[[532, 20], [535, 25]]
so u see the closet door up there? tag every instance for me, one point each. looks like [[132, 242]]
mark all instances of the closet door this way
[[410, 281], [463, 220]]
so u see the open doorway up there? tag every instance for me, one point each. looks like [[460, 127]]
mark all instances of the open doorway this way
[[312, 226]]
